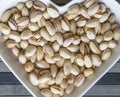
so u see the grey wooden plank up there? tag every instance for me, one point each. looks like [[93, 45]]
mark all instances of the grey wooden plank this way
[[8, 78], [106, 90], [97, 90]]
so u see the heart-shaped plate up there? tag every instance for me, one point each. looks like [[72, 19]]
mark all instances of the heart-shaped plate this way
[[17, 69]]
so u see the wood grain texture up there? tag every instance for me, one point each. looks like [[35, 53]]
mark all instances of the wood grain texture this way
[[97, 90]]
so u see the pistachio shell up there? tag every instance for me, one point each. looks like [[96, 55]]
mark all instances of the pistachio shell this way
[[79, 80], [12, 24], [10, 43], [88, 72], [40, 53], [23, 21], [29, 67], [68, 41], [25, 35], [53, 12], [88, 61], [6, 15], [56, 89], [22, 58], [96, 60], [15, 51], [69, 89], [35, 16], [15, 36], [112, 44], [103, 45], [59, 77], [29, 4], [117, 33], [75, 70], [108, 36], [79, 60], [54, 70], [104, 17], [25, 12], [67, 67], [92, 23], [33, 26], [65, 53], [65, 25], [42, 64], [73, 9], [91, 34], [39, 5], [106, 54], [56, 46], [46, 93], [49, 59], [4, 29], [30, 50], [59, 38], [44, 78], [50, 28]]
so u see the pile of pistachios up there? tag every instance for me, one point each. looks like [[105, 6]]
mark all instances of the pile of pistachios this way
[[58, 51]]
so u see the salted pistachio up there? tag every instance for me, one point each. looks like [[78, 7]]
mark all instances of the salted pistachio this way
[[65, 25], [70, 88], [29, 4], [36, 34], [6, 15], [4, 29], [51, 81], [42, 41], [20, 6], [84, 48], [44, 78], [79, 80], [25, 11], [112, 44], [105, 27], [44, 33], [96, 60], [67, 35], [5, 37], [84, 13], [91, 34], [12, 24], [99, 38], [67, 67], [92, 23], [46, 93], [22, 58], [33, 41], [56, 46], [94, 47], [48, 50], [59, 77], [33, 26], [117, 33], [53, 12], [56, 23], [65, 53], [98, 29], [10, 43], [88, 3], [88, 72], [22, 21], [104, 17], [64, 84], [111, 18], [30, 50], [25, 35], [56, 57], [42, 64], [33, 79], [53, 70], [56, 89], [70, 16], [49, 59], [41, 22], [102, 8], [60, 62], [46, 15], [73, 9], [40, 53], [106, 54], [79, 60], [68, 41], [33, 58], [72, 59], [75, 70], [38, 5], [81, 22], [103, 46], [15, 36], [114, 26], [108, 36], [73, 48], [44, 71], [15, 51], [84, 38], [93, 9], [43, 86], [70, 79], [50, 28], [76, 40], [29, 66], [35, 16], [73, 27], [88, 61]]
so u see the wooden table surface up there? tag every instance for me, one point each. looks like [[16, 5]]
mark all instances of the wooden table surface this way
[[108, 86]]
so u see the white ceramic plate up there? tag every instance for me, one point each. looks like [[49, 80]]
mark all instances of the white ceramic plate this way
[[17, 69]]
